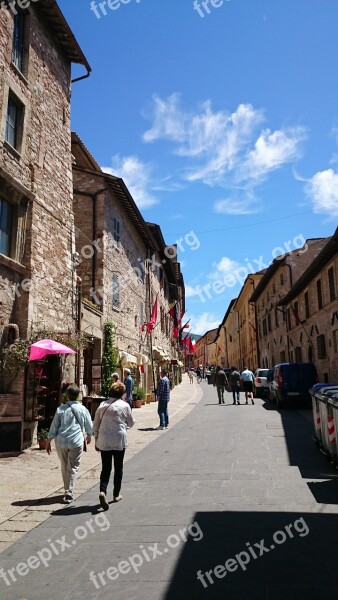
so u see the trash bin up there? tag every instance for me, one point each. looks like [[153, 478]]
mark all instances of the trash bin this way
[[318, 388], [210, 379], [333, 426], [326, 417]]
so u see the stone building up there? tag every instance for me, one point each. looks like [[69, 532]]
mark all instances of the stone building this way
[[224, 338], [205, 352], [277, 281], [311, 312], [244, 347], [124, 265], [37, 286]]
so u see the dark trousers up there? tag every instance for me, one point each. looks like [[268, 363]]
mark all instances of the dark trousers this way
[[163, 413], [107, 459]]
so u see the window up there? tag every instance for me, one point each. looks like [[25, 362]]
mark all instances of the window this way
[[288, 319], [265, 331], [281, 279], [18, 40], [6, 220], [321, 348], [269, 322], [160, 277], [335, 340], [282, 356], [14, 122], [332, 288], [307, 305], [116, 291], [319, 294], [116, 230], [310, 354], [276, 317], [296, 314], [298, 354]]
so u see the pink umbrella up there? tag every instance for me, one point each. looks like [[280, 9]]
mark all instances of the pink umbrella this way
[[42, 348]]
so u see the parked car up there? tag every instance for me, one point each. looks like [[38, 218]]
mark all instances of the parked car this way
[[261, 385], [290, 383]]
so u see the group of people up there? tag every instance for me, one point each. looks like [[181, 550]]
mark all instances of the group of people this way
[[72, 428], [234, 384]]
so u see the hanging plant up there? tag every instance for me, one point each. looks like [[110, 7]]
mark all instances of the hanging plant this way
[[110, 357]]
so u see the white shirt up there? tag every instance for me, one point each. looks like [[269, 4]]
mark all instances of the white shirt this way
[[110, 424]]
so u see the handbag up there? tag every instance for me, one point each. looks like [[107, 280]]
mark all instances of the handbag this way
[[84, 439]]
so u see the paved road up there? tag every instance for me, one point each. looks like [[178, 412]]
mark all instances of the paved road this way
[[235, 495]]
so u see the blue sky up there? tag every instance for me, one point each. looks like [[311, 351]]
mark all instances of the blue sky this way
[[223, 126]]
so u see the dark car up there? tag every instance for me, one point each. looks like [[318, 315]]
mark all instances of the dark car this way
[[290, 383]]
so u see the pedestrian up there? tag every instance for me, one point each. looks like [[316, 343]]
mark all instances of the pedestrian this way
[[248, 377], [220, 381], [115, 378], [129, 383], [163, 397], [110, 431], [191, 375], [235, 384], [198, 374], [69, 422]]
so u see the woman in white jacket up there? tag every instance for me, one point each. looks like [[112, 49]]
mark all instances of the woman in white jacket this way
[[110, 431]]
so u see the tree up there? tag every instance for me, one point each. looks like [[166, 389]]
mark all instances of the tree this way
[[110, 357]]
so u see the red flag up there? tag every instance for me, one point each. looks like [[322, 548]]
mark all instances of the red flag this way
[[173, 314], [151, 324]]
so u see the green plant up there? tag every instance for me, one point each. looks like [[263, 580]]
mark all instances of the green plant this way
[[110, 357], [140, 393], [43, 434], [13, 359]]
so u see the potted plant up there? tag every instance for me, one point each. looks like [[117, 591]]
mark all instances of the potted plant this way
[[138, 397], [42, 438]]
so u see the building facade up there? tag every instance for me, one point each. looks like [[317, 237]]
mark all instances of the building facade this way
[[311, 314], [37, 287], [277, 281]]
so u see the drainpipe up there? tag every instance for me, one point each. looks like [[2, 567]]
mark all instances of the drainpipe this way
[[78, 327]]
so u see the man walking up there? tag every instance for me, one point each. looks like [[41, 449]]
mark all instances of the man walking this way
[[235, 385], [220, 381], [129, 383], [248, 378], [67, 430], [163, 397]]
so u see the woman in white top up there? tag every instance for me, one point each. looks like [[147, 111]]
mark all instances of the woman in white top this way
[[110, 432]]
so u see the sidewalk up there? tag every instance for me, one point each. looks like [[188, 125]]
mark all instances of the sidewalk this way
[[27, 480]]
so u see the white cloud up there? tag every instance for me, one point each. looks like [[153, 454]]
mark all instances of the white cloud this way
[[190, 291], [204, 322], [224, 149], [272, 150], [224, 267], [247, 205], [137, 177], [322, 189]]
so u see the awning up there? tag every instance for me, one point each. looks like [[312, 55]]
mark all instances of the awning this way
[[127, 359], [142, 359]]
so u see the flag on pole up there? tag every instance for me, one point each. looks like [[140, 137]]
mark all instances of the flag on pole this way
[[192, 345], [151, 324], [173, 314]]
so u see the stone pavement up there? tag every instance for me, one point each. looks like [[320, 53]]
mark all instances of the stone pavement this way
[[231, 502], [31, 484]]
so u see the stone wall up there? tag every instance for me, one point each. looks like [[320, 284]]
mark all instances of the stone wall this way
[[42, 173]]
